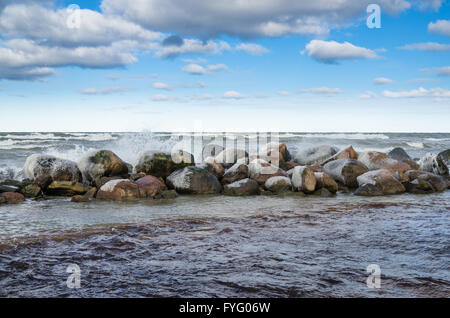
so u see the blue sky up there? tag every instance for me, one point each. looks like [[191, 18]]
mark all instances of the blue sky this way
[[161, 66]]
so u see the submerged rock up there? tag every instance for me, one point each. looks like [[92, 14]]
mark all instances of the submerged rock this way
[[119, 190], [150, 187], [325, 181], [375, 160], [384, 180], [260, 170], [368, 190], [37, 166], [314, 155], [101, 163], [345, 171], [244, 187], [12, 197], [161, 165], [278, 184], [168, 194], [67, 188], [237, 172], [194, 180], [433, 163], [303, 179]]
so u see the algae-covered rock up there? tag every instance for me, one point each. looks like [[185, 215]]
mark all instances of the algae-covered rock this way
[[101, 163], [161, 165], [67, 188], [194, 180]]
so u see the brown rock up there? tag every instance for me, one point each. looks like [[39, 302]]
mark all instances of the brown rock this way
[[235, 173], [325, 181], [118, 190], [347, 153], [303, 179], [67, 188], [260, 170], [345, 171], [384, 180], [13, 197], [244, 187], [150, 187], [79, 198], [375, 160], [214, 167]]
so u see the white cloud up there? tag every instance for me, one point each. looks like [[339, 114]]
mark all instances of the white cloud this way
[[326, 91], [428, 46], [283, 93], [382, 81], [195, 61], [332, 51], [441, 71], [190, 46], [368, 95], [420, 92], [440, 27], [164, 86], [251, 48], [217, 67], [245, 18], [197, 69], [105, 91], [233, 95], [201, 97], [160, 98]]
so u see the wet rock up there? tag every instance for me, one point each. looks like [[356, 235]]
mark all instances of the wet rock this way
[[303, 179], [150, 187], [375, 160], [169, 194], [419, 186], [31, 191], [323, 192], [445, 155], [345, 171], [67, 188], [400, 154], [79, 199], [43, 181], [119, 190], [278, 184], [161, 165], [101, 163], [260, 170], [230, 156], [9, 188], [347, 153], [12, 197], [194, 180], [439, 183], [10, 182], [288, 165], [244, 187], [38, 165], [433, 163], [384, 180], [325, 181], [237, 172], [137, 176], [100, 181], [368, 190], [314, 155], [214, 167]]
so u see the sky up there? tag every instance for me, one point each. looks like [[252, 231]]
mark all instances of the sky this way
[[255, 65]]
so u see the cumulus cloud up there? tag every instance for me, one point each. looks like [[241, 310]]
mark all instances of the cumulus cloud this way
[[105, 91], [192, 46], [251, 48], [427, 46], [420, 92], [332, 51], [233, 95], [164, 86], [440, 27], [196, 69], [245, 18], [326, 91], [382, 81]]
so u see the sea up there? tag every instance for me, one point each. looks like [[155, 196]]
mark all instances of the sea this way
[[218, 246]]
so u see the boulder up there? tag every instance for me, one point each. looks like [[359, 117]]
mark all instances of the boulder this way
[[230, 156], [237, 172], [168, 194], [12, 197], [315, 155], [242, 187], [419, 186], [119, 190], [67, 188], [194, 180], [400, 154], [368, 190], [278, 184], [212, 150], [383, 179], [260, 170], [288, 165], [276, 147], [161, 165], [136, 176], [101, 163], [150, 187], [439, 183], [303, 179], [37, 166], [433, 163], [345, 171], [79, 199], [31, 191], [323, 180], [43, 181], [214, 167], [347, 153], [445, 155], [375, 160]]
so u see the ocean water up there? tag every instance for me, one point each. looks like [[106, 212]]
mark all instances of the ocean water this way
[[212, 246]]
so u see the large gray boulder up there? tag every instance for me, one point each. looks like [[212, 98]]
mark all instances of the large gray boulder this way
[[242, 187], [345, 171], [38, 166], [194, 180], [101, 163]]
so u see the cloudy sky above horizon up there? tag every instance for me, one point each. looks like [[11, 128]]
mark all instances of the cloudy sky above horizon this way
[[171, 65]]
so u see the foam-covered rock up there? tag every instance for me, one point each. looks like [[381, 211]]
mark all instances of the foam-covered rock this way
[[194, 180], [237, 172], [303, 179], [119, 190], [345, 171], [161, 165], [101, 163], [244, 187], [375, 160], [433, 163], [150, 187], [278, 184], [67, 188], [315, 155], [325, 181], [260, 170], [37, 166], [383, 179]]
